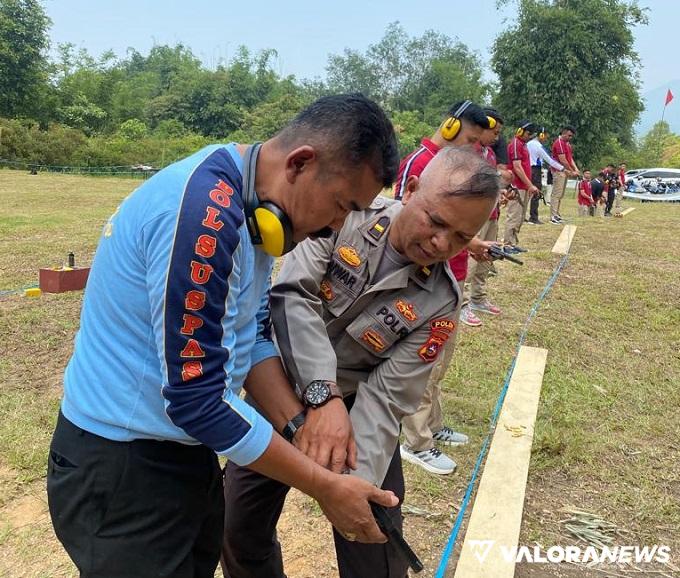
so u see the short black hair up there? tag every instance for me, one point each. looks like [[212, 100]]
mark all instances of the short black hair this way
[[567, 127], [528, 126], [348, 128], [473, 113], [494, 114]]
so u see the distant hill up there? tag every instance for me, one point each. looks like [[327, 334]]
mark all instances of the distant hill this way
[[654, 100]]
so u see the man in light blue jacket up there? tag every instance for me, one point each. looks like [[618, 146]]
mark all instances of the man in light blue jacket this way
[[175, 321]]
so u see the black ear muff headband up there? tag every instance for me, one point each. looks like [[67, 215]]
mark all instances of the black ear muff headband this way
[[269, 227]]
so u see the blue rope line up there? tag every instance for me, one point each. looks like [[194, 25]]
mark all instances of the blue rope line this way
[[6, 292], [448, 549]]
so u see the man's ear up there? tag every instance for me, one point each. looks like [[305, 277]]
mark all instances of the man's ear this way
[[412, 185], [298, 160]]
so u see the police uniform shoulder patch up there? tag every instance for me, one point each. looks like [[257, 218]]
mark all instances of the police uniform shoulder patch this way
[[431, 348], [378, 229], [423, 273], [374, 339], [406, 310], [349, 255], [440, 331], [443, 324], [326, 291]]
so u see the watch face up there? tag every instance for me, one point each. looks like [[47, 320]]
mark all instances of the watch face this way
[[317, 392]]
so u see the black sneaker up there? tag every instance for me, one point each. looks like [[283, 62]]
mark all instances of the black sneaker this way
[[555, 221], [537, 222], [520, 249]]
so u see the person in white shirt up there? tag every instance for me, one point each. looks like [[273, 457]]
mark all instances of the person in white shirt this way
[[539, 156]]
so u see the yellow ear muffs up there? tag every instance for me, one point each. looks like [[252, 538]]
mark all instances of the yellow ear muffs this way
[[450, 128], [492, 121], [522, 129], [275, 229]]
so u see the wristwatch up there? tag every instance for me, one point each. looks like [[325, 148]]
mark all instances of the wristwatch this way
[[293, 425], [320, 392]]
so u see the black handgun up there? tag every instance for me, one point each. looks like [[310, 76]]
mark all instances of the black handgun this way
[[497, 252], [384, 522]]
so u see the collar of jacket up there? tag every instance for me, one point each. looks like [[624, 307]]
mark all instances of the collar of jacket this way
[[425, 277]]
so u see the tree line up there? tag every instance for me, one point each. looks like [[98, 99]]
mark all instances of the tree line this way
[[562, 62]]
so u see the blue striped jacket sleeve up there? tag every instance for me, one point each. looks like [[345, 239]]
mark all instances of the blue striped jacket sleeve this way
[[191, 304]]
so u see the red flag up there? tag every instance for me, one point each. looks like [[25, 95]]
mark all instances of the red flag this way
[[669, 97]]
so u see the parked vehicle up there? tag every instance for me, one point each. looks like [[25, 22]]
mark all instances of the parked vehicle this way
[[653, 176]]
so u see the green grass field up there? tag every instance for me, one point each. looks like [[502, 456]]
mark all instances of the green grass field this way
[[607, 437]]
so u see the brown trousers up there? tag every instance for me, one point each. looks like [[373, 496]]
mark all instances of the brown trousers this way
[[559, 187], [478, 271], [516, 211], [419, 427]]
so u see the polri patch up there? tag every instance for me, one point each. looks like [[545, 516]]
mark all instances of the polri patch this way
[[443, 324], [440, 331], [434, 344], [349, 255], [406, 310]]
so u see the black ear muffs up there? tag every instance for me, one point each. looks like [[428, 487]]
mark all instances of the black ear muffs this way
[[269, 227]]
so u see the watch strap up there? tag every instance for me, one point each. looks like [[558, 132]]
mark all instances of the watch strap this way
[[335, 390], [293, 425]]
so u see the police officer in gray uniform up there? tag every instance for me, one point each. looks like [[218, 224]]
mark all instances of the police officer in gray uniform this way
[[361, 317]]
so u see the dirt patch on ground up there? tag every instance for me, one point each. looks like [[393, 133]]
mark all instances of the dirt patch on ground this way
[[24, 511]]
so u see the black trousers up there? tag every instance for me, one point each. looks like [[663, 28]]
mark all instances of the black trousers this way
[[135, 509], [253, 507], [611, 195], [536, 181]]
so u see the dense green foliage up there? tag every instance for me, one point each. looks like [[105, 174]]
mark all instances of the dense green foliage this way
[[23, 64], [563, 61], [572, 62]]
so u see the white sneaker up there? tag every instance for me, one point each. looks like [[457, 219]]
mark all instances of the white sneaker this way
[[432, 460], [446, 436]]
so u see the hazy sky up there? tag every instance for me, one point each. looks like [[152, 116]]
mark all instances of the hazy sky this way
[[305, 32]]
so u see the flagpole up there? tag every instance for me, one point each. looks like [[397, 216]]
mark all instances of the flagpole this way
[[669, 98]]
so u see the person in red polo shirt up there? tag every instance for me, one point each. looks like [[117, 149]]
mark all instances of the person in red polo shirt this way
[[475, 296], [562, 153], [520, 165], [462, 126], [585, 195]]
